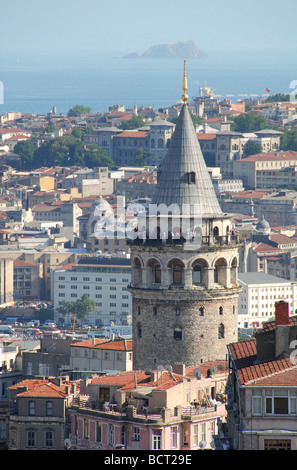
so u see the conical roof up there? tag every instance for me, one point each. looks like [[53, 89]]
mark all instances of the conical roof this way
[[184, 178]]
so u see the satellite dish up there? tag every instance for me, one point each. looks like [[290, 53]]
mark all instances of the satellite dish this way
[[202, 444], [197, 373], [67, 443]]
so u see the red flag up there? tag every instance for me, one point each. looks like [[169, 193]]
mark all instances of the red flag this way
[[267, 90]]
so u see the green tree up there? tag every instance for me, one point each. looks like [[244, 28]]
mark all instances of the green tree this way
[[79, 132], [278, 97], [134, 123], [43, 314], [84, 306], [141, 158], [25, 149], [288, 140], [78, 110], [252, 148], [95, 156], [61, 151], [249, 122]]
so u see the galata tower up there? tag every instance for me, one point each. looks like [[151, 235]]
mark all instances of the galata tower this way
[[184, 260]]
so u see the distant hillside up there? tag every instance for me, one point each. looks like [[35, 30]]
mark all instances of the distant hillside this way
[[180, 50]]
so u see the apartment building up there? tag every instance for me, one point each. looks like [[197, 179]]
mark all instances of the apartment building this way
[[164, 409], [104, 279], [260, 292], [262, 392], [102, 355], [267, 170], [37, 419]]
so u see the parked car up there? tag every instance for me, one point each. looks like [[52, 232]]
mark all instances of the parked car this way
[[49, 323], [33, 332], [6, 330]]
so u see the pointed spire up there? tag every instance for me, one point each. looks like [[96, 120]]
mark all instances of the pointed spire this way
[[184, 178], [185, 85]]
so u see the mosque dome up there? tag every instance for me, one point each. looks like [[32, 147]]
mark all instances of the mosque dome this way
[[263, 226]]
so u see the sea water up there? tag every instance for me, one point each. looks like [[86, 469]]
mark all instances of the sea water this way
[[36, 82]]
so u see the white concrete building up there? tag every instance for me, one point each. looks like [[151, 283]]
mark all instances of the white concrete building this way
[[104, 279], [260, 291], [102, 355]]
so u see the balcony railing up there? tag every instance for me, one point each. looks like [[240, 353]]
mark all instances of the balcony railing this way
[[208, 240]]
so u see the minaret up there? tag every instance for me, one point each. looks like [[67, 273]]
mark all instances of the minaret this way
[[184, 270]]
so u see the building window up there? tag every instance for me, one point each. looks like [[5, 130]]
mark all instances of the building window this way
[[280, 402], [177, 311], [86, 429], [136, 434], [173, 437], [49, 441], [195, 435], [257, 402], [110, 434], [203, 432], [98, 431], [201, 312], [221, 310], [31, 408], [156, 440], [155, 311], [31, 438], [49, 408]]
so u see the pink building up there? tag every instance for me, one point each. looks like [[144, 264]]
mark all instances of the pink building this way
[[177, 408]]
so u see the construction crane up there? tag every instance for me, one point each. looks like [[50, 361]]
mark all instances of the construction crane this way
[[74, 318]]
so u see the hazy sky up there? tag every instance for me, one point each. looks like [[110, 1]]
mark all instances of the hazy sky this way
[[119, 26]]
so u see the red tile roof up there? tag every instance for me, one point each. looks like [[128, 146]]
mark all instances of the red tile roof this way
[[134, 134], [97, 343], [284, 155], [41, 388]]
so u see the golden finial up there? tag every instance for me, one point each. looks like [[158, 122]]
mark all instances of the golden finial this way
[[185, 85]]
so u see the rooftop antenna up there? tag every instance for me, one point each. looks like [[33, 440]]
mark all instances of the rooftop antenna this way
[[185, 85]]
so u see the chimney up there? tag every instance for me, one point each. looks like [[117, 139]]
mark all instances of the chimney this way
[[281, 328], [180, 369]]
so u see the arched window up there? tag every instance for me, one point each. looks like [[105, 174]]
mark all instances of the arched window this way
[[177, 333], [221, 331], [177, 274], [201, 312], [197, 275], [221, 310], [138, 310], [160, 143], [152, 143], [157, 274], [216, 231]]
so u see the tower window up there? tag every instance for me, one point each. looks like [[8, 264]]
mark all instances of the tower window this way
[[177, 311], [197, 274], [201, 312], [139, 330], [177, 274], [221, 332], [155, 311], [221, 310], [191, 177], [177, 334], [157, 274]]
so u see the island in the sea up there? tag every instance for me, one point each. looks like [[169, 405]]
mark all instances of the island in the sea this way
[[180, 50]]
